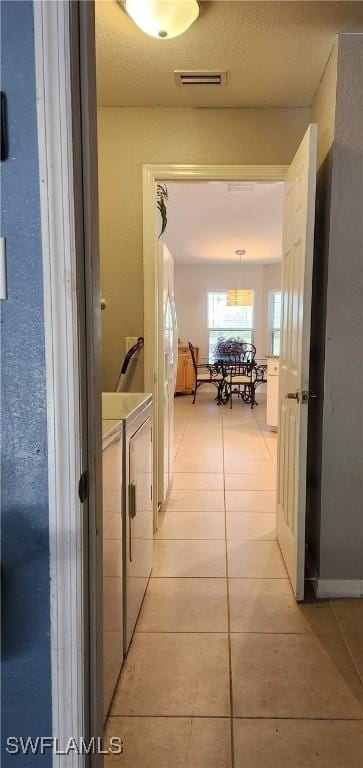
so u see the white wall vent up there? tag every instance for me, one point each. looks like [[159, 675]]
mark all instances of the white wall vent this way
[[240, 187], [202, 77]]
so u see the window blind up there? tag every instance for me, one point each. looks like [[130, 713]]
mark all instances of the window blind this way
[[275, 322], [229, 321]]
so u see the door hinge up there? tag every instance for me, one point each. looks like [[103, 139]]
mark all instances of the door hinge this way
[[83, 486]]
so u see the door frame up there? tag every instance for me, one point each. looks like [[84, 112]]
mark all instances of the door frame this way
[[152, 174], [67, 146]]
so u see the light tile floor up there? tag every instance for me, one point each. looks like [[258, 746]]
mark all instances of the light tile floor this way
[[225, 669]]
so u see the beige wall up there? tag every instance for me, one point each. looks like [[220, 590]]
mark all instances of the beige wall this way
[[341, 544], [192, 284], [322, 113], [324, 105], [131, 137], [335, 521]]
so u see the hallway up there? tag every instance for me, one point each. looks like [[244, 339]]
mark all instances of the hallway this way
[[225, 669]]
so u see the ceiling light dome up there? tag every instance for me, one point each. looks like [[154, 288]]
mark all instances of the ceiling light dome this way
[[163, 18]]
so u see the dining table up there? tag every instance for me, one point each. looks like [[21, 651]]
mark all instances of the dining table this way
[[224, 364]]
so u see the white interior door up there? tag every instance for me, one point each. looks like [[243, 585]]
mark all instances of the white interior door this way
[[167, 345], [298, 242]]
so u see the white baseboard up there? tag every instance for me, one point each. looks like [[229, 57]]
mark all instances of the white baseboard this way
[[339, 588]]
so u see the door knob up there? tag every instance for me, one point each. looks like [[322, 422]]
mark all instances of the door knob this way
[[304, 396], [293, 395]]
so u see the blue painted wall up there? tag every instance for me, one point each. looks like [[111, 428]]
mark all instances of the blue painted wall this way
[[26, 674]]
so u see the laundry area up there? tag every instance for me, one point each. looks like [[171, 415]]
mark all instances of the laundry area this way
[[127, 549]]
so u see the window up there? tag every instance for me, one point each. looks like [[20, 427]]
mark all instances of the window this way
[[275, 321], [228, 322]]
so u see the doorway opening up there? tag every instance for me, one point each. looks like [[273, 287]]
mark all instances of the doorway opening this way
[[220, 181], [208, 222]]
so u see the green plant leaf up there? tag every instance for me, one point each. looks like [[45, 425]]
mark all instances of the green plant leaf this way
[[161, 196]]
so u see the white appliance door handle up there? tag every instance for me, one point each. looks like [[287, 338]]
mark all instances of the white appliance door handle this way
[[132, 514]]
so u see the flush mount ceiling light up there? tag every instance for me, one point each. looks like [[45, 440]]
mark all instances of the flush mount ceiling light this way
[[162, 18], [240, 297]]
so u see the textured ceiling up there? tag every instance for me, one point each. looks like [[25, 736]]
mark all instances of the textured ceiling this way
[[207, 223], [274, 52]]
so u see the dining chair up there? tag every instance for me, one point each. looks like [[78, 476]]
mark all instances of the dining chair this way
[[206, 373], [240, 376]]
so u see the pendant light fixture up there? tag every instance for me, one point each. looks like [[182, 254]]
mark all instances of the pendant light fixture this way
[[239, 297], [162, 18]]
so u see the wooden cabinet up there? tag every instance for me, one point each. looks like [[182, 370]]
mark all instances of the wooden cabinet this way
[[185, 375]]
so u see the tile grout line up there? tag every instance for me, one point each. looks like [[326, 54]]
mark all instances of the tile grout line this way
[[215, 538], [226, 578], [345, 642], [245, 578], [182, 437], [228, 610], [219, 632], [243, 717], [265, 442]]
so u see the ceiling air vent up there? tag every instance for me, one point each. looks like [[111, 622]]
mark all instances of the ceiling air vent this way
[[195, 77], [237, 186]]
